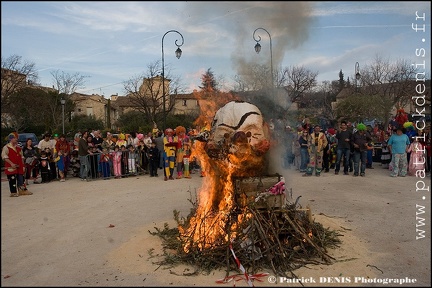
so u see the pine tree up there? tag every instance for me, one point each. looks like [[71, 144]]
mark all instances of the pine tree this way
[[208, 82], [341, 80]]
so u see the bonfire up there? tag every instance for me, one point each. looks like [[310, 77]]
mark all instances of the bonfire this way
[[242, 219]]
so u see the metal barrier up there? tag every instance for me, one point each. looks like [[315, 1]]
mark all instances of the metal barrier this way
[[119, 164], [113, 165]]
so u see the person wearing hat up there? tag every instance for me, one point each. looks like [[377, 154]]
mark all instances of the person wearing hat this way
[[12, 156], [361, 141]]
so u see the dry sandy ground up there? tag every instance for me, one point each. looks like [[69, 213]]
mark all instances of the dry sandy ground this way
[[60, 236]]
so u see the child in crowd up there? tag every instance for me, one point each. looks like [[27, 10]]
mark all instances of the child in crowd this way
[[124, 161], [104, 162], [385, 152], [132, 159], [61, 165], [94, 162], [153, 154], [44, 167], [418, 157], [117, 159], [52, 164], [74, 163]]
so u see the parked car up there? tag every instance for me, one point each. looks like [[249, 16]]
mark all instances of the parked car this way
[[22, 138]]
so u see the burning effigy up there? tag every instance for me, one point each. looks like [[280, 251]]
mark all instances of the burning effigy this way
[[240, 207]]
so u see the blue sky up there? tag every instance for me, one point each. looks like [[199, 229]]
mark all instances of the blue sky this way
[[111, 42]]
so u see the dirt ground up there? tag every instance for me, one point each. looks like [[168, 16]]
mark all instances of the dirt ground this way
[[61, 235]]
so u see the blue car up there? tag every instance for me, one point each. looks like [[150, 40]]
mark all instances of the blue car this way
[[22, 139]]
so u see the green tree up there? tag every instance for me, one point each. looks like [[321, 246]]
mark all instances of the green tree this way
[[341, 81], [208, 82], [84, 122], [133, 121], [34, 106]]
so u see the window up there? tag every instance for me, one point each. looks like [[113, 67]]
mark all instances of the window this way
[[89, 111], [184, 102]]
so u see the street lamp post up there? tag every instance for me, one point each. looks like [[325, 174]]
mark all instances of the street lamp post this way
[[63, 102], [178, 54], [258, 49], [357, 75]]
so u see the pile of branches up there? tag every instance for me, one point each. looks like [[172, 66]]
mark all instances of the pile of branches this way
[[281, 240]]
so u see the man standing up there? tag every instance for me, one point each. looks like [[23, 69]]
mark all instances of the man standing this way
[[398, 145], [343, 137], [46, 142], [14, 166], [360, 141], [83, 151]]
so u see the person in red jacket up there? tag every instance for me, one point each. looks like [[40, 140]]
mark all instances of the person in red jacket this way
[[14, 166]]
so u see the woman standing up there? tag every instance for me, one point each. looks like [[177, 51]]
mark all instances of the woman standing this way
[[31, 160]]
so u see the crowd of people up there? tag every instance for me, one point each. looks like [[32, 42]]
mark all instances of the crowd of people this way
[[91, 156], [402, 148]]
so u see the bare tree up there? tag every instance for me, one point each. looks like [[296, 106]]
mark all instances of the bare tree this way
[[324, 96], [145, 92], [256, 77], [394, 83], [299, 81], [16, 74], [66, 83]]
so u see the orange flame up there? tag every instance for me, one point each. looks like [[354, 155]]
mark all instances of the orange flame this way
[[216, 196]]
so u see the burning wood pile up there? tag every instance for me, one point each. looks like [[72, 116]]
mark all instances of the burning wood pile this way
[[240, 210]]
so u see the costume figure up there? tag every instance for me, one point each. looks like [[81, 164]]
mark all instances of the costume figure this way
[[317, 142], [121, 140], [14, 166], [44, 167], [385, 152], [75, 164], [170, 144], [401, 117], [186, 156], [181, 137], [155, 130]]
